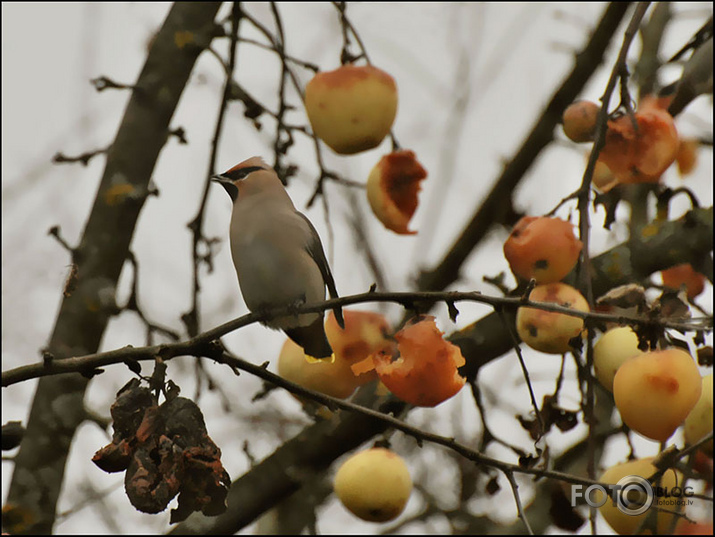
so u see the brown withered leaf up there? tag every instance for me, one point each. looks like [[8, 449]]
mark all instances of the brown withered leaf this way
[[492, 486], [623, 300], [705, 356], [166, 451]]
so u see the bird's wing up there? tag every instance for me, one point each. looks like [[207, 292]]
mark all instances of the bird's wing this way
[[315, 249]]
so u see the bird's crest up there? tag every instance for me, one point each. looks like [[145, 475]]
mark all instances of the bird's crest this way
[[253, 162]]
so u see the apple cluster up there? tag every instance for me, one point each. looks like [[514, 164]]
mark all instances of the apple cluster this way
[[416, 363], [352, 109], [654, 391], [545, 249], [638, 148]]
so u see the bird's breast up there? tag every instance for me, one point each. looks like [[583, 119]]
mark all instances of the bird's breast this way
[[273, 266]]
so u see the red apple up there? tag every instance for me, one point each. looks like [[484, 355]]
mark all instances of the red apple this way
[[365, 332], [642, 154], [543, 248], [423, 369], [684, 274]]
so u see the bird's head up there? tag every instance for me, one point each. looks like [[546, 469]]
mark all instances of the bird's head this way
[[250, 173]]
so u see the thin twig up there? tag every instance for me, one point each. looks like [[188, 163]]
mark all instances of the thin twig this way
[[517, 500], [619, 70], [199, 345], [525, 372]]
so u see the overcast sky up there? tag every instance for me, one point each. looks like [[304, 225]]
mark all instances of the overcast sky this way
[[471, 78]]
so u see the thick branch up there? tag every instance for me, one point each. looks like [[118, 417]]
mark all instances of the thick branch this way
[[57, 408], [497, 207], [485, 340], [200, 345]]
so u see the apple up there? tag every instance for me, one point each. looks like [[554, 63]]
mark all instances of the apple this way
[[331, 378], [548, 331], [351, 108], [579, 121], [700, 420], [603, 178], [611, 351], [623, 523], [641, 155], [365, 333], [374, 484], [655, 391], [424, 368], [543, 248], [686, 527], [683, 274], [392, 188]]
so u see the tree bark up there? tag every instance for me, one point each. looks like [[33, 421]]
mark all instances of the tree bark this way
[[57, 408], [497, 207]]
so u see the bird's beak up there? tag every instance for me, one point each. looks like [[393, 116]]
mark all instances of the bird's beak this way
[[231, 188]]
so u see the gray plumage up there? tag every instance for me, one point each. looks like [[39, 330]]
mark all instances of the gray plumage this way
[[277, 253]]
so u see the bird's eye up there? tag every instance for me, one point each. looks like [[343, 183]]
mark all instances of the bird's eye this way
[[241, 173]]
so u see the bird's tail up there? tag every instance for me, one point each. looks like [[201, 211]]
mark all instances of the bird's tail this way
[[312, 338]]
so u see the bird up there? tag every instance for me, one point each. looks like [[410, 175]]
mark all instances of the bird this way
[[697, 76], [277, 254]]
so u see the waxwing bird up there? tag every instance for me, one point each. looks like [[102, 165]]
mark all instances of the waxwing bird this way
[[277, 253]]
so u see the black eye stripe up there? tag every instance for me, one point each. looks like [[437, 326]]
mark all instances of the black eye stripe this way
[[235, 175]]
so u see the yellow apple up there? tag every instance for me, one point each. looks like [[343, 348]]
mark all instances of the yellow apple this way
[[655, 391], [626, 524], [331, 378], [700, 420], [548, 331], [374, 484], [610, 352], [351, 108]]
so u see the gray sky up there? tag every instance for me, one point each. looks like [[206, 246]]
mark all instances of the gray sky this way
[[471, 78]]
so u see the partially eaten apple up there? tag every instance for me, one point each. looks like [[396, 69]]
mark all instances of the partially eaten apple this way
[[422, 368], [392, 188]]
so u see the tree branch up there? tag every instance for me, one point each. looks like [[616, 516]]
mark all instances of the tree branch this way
[[57, 408], [497, 207]]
